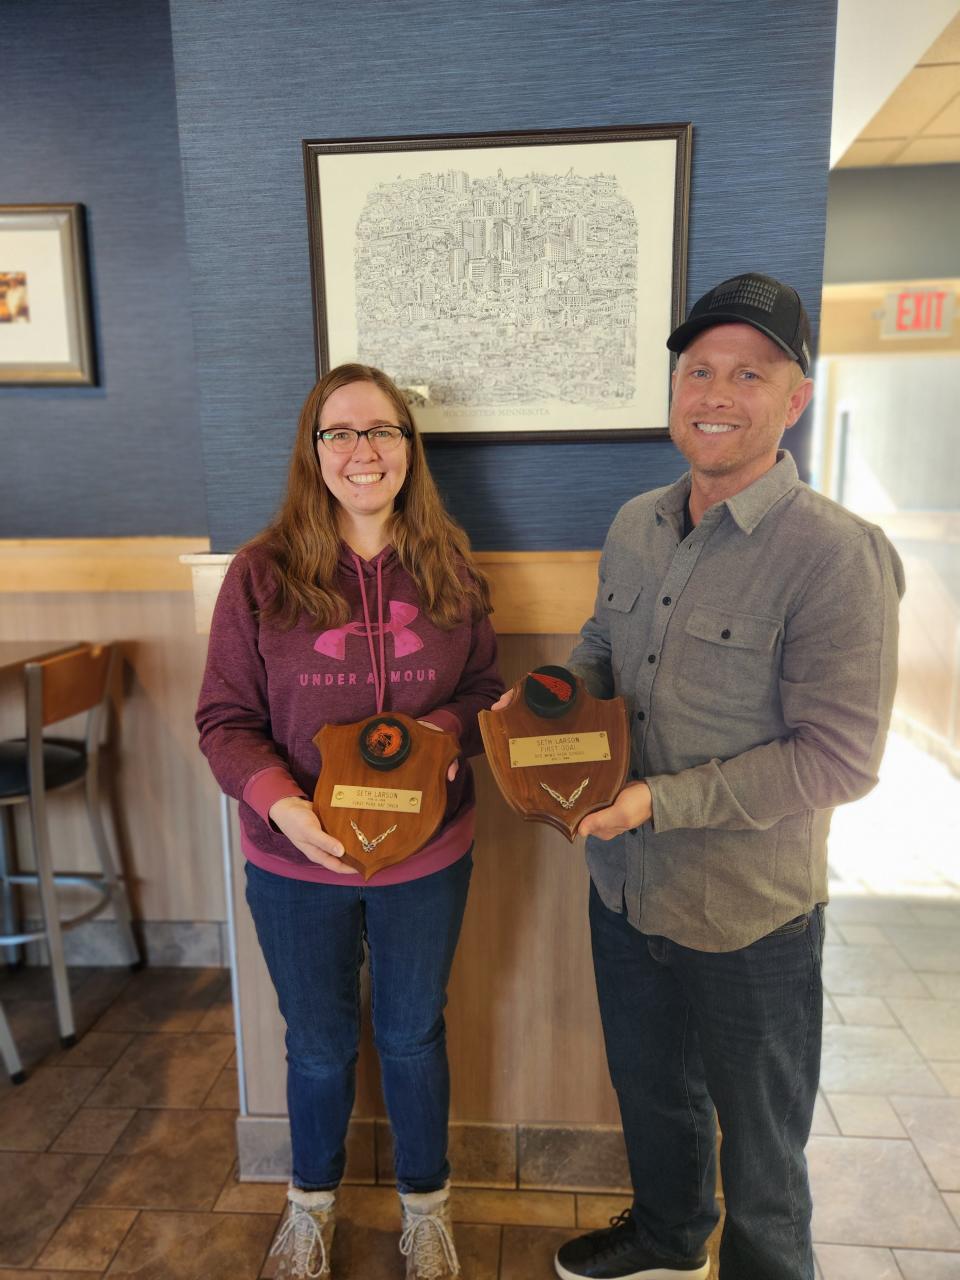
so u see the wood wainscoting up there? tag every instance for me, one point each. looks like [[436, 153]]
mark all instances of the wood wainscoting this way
[[162, 796]]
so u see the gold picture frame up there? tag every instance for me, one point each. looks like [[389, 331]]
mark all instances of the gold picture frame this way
[[46, 330]]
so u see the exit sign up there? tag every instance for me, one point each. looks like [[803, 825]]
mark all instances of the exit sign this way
[[919, 313]]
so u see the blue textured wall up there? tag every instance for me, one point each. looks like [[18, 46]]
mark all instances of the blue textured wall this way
[[88, 114], [253, 80]]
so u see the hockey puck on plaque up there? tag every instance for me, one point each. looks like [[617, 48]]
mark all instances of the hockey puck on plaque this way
[[384, 743], [550, 692]]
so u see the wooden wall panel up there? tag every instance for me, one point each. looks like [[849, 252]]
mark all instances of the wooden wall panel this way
[[928, 690], [524, 1030], [884, 418], [165, 799], [96, 564]]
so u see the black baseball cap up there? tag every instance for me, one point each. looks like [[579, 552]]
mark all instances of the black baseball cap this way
[[766, 304]]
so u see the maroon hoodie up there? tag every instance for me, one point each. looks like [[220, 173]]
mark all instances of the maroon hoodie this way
[[266, 692]]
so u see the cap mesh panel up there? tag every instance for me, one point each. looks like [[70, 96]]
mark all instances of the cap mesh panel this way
[[747, 291]]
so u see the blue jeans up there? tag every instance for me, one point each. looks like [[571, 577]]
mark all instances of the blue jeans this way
[[689, 1031], [312, 936]]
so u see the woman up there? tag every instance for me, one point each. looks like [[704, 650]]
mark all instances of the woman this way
[[361, 596]]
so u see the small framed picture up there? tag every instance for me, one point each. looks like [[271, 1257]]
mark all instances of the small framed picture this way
[[45, 326], [513, 285]]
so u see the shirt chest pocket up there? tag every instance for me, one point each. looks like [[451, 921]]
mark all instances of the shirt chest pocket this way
[[729, 660], [621, 600]]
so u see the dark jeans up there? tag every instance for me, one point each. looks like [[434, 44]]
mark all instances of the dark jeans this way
[[312, 937], [689, 1031]]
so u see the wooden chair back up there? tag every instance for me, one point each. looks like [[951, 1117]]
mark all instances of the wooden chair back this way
[[70, 682]]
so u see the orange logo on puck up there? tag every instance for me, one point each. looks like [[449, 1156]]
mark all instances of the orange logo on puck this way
[[383, 739]]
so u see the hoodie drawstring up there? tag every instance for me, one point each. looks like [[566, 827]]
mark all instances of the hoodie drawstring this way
[[379, 672]]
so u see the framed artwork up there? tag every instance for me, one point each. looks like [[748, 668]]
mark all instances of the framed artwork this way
[[514, 285], [45, 326]]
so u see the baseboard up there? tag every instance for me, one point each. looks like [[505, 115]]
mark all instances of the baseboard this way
[[503, 1156], [193, 944]]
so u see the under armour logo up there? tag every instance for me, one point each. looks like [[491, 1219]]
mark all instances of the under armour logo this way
[[334, 643]]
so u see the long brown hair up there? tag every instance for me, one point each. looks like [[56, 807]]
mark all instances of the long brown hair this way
[[303, 539]]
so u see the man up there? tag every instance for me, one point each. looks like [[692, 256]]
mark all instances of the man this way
[[751, 626]]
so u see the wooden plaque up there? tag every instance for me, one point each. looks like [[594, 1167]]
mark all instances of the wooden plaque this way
[[382, 788], [556, 752]]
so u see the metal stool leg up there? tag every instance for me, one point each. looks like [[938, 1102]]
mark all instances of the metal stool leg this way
[[9, 914], [51, 920], [118, 890], [8, 1051]]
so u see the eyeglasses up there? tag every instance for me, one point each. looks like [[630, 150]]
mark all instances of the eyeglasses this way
[[345, 439]]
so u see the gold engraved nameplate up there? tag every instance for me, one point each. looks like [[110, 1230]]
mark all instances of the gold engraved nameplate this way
[[558, 748], [377, 798]]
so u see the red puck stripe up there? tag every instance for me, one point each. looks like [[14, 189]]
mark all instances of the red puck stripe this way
[[559, 688]]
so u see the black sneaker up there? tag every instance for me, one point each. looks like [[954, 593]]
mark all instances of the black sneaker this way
[[615, 1253]]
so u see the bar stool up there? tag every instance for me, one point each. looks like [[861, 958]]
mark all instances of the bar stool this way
[[8, 1051], [56, 689]]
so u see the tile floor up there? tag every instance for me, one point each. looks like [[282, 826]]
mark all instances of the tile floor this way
[[117, 1157]]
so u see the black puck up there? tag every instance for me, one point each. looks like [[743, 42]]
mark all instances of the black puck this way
[[384, 742], [550, 692]]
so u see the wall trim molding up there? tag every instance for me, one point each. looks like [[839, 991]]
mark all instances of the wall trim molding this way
[[534, 592], [96, 564]]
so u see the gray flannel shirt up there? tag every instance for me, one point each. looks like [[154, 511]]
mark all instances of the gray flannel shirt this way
[[758, 660]]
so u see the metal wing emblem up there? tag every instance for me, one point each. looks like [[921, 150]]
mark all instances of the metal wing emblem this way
[[571, 799], [369, 845]]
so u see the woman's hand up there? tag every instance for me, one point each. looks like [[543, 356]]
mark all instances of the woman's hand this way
[[296, 819], [455, 767]]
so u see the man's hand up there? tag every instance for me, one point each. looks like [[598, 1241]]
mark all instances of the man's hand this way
[[455, 767], [298, 822], [503, 701], [632, 808]]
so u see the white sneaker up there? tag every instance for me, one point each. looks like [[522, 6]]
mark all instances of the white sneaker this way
[[427, 1238], [305, 1239]]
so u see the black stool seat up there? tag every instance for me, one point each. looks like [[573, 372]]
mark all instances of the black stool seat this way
[[64, 761]]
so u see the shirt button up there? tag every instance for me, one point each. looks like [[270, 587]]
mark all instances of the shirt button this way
[[610, 596], [725, 633], [652, 657], [641, 715], [666, 600]]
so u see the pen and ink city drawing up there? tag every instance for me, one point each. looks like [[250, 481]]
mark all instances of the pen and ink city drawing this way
[[508, 291], [500, 290]]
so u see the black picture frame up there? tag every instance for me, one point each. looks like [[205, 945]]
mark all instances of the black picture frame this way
[[497, 277]]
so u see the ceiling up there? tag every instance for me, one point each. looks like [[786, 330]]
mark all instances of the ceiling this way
[[920, 122]]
